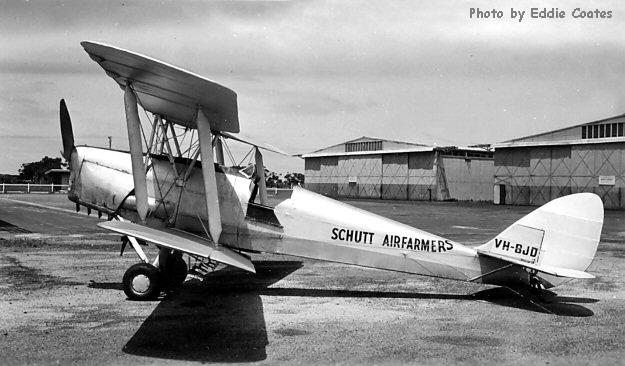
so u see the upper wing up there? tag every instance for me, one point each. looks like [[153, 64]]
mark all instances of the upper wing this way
[[182, 241], [166, 90]]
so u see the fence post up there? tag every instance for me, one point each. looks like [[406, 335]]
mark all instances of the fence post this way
[[3, 188], [27, 187], [52, 188]]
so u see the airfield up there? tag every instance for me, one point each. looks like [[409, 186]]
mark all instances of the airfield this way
[[61, 301]]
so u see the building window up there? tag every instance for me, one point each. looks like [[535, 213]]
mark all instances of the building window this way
[[363, 146], [606, 130], [601, 131]]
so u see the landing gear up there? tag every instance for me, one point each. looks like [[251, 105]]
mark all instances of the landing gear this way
[[144, 281], [173, 271], [535, 283], [141, 282], [538, 290]]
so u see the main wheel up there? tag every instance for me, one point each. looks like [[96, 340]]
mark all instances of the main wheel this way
[[174, 271], [141, 282]]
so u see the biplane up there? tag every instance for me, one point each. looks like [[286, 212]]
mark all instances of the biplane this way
[[174, 190]]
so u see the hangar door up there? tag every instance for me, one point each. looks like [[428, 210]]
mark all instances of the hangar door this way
[[359, 176], [321, 175], [395, 176]]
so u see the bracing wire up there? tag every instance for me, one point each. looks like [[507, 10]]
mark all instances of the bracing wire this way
[[245, 157], [158, 185], [227, 148]]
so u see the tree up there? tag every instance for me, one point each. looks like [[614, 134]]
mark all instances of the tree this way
[[289, 180], [9, 178], [294, 179], [35, 172], [273, 179]]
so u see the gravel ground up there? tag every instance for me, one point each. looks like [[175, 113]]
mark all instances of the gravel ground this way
[[61, 302]]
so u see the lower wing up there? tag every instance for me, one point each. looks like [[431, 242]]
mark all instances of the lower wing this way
[[181, 241]]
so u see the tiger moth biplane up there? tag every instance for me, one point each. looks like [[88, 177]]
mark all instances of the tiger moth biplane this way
[[180, 196]]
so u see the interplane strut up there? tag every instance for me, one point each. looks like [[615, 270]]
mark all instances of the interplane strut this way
[[208, 174], [136, 152]]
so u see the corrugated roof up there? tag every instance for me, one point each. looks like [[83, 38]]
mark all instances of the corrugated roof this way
[[320, 153], [529, 139], [605, 140], [413, 148], [362, 139]]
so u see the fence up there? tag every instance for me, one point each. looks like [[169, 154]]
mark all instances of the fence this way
[[32, 188], [51, 188]]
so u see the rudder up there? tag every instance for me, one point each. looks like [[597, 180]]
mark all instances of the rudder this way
[[559, 237]]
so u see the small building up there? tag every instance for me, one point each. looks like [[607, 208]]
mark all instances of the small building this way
[[58, 177], [589, 157], [383, 169]]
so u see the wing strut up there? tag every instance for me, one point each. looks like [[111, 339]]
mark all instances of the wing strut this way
[[136, 152], [208, 174], [260, 171], [219, 150]]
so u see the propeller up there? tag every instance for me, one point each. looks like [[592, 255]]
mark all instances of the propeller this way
[[66, 131]]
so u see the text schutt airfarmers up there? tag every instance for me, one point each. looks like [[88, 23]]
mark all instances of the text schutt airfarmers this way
[[540, 13]]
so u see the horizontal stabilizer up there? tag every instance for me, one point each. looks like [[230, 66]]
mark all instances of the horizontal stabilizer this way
[[181, 241], [554, 271]]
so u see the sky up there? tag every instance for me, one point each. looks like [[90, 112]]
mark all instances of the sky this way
[[310, 74]]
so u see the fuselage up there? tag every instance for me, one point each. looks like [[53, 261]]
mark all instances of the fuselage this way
[[306, 225]]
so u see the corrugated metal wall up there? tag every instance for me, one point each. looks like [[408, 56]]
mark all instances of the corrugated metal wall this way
[[469, 179], [322, 175], [395, 176], [536, 175], [402, 176], [366, 169], [422, 177]]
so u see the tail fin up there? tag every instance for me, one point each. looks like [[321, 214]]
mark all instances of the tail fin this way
[[559, 238]]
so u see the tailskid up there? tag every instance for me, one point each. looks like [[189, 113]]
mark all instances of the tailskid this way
[[538, 297]]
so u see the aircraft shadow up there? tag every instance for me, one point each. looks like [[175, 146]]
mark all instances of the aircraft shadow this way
[[560, 305], [222, 320], [106, 285], [563, 306], [303, 292], [218, 320]]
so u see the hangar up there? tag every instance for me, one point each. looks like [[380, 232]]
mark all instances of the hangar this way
[[383, 169], [589, 157]]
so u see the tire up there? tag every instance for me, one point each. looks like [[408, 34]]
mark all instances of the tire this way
[[141, 282], [174, 271]]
